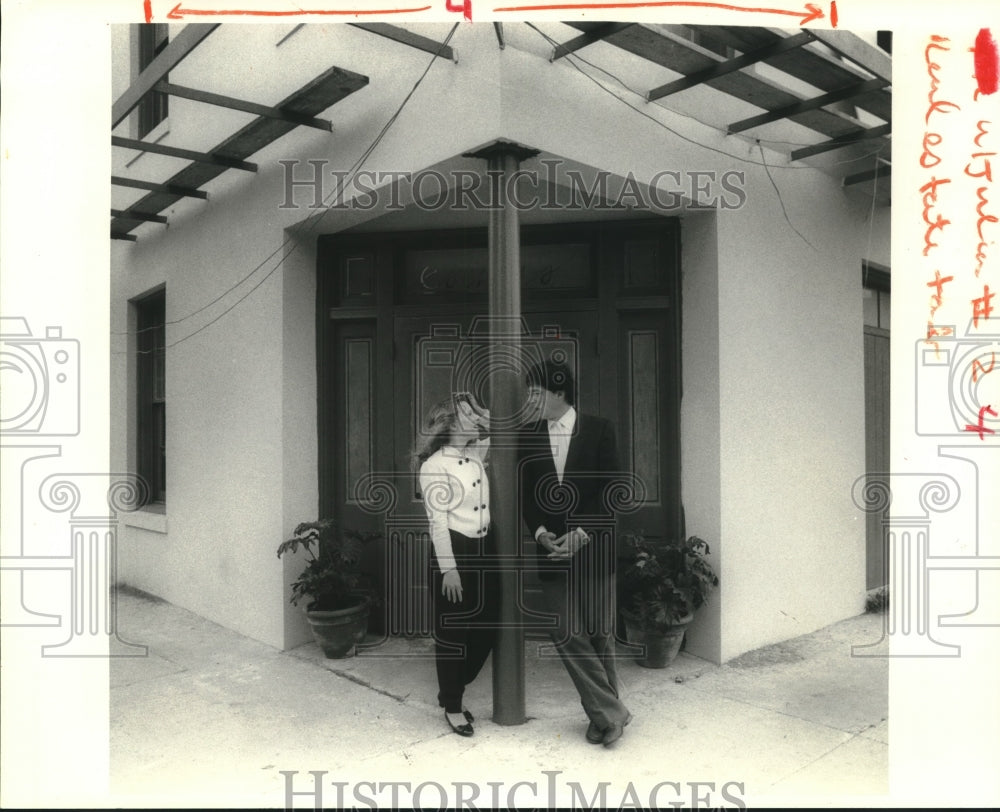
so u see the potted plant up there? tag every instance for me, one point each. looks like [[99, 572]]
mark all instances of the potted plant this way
[[337, 592], [661, 587]]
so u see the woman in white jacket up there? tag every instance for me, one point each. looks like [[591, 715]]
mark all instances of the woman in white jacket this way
[[452, 458]]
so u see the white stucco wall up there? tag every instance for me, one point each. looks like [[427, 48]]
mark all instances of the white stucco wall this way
[[224, 429], [299, 448], [792, 422], [701, 449], [773, 411], [773, 416]]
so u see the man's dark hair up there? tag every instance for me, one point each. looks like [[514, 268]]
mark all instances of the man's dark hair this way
[[553, 377]]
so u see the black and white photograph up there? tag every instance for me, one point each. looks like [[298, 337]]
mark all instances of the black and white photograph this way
[[500, 406]]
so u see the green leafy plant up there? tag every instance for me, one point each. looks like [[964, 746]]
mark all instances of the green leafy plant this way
[[663, 583], [877, 601], [332, 578]]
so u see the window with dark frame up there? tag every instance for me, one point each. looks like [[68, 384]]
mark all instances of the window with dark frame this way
[[153, 38], [876, 292], [152, 399]]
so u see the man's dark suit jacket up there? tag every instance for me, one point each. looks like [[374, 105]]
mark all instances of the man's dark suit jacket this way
[[581, 500]]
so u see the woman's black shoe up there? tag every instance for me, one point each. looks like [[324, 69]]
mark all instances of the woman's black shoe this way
[[461, 730]]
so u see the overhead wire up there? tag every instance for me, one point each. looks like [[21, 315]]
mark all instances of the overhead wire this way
[[690, 116], [312, 224], [781, 202], [573, 58]]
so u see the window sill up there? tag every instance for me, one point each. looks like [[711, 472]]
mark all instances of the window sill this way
[[151, 517]]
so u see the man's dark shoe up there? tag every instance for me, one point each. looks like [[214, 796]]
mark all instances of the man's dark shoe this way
[[594, 734], [615, 731]]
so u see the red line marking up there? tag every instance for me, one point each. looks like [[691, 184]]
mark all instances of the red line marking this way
[[147, 8], [178, 13], [986, 59], [811, 11], [833, 13]]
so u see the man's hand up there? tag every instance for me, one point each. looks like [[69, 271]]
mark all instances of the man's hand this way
[[547, 540], [567, 546], [451, 586]]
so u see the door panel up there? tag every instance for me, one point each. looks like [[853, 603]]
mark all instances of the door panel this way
[[648, 439], [876, 445]]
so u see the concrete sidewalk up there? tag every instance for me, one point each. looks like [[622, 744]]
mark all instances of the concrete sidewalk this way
[[211, 718]]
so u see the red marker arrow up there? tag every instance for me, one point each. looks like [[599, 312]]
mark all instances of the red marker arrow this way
[[178, 13], [808, 14], [465, 6]]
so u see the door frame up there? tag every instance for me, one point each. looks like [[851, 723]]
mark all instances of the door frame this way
[[358, 290], [876, 373]]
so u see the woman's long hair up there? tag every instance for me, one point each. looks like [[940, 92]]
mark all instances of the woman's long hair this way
[[436, 431]]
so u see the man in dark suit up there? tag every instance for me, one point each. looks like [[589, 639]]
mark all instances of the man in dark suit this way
[[566, 462]]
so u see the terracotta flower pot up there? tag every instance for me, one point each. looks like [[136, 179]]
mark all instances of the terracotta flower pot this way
[[661, 646], [338, 631]]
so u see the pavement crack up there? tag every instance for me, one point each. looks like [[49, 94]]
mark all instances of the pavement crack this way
[[825, 754], [367, 684], [769, 708]]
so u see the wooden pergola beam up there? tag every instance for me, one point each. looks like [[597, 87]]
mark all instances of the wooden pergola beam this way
[[165, 188], [842, 141], [731, 65], [309, 100], [117, 235], [139, 217], [596, 34], [852, 47], [882, 171], [230, 103], [808, 104], [177, 152], [189, 38], [406, 37]]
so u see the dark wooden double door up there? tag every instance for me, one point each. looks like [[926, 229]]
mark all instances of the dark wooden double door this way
[[391, 345]]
